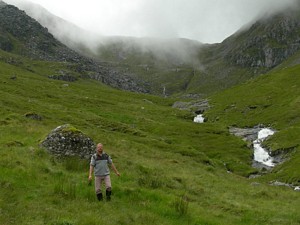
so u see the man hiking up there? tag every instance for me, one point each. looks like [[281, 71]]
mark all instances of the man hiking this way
[[99, 163]]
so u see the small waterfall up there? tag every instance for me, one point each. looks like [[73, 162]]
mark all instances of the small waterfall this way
[[260, 154], [199, 119]]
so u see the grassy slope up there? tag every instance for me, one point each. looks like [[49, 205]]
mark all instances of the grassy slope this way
[[272, 100], [160, 153]]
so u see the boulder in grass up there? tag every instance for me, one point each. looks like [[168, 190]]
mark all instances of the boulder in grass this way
[[67, 140]]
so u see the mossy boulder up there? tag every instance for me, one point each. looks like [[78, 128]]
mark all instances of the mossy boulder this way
[[67, 140]]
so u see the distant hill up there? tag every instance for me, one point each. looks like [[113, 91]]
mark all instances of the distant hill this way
[[23, 35]]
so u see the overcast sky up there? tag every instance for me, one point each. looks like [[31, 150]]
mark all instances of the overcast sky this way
[[208, 21]]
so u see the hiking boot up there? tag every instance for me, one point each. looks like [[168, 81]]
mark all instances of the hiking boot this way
[[100, 197], [108, 194]]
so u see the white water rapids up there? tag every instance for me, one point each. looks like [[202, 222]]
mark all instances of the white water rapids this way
[[199, 119], [260, 154]]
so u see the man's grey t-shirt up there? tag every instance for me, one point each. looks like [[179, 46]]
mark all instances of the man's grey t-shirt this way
[[100, 164]]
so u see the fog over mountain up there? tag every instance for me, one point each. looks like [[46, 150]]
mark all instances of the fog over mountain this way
[[205, 21]]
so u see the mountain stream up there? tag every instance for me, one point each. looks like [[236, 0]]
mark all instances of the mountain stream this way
[[260, 154]]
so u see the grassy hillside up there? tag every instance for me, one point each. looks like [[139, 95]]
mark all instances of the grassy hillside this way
[[272, 100], [173, 171]]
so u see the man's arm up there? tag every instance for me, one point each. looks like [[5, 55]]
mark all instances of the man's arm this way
[[115, 169], [90, 173]]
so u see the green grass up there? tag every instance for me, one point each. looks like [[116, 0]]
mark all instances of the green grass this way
[[271, 100], [173, 171]]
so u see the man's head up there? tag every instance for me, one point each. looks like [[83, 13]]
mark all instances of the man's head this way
[[99, 148]]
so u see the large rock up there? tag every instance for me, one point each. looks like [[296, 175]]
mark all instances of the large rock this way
[[197, 107], [247, 134], [66, 140]]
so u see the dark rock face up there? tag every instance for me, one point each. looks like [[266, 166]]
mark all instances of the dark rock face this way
[[267, 43], [66, 141], [5, 43]]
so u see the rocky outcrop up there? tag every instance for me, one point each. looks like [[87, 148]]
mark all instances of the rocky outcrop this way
[[2, 3], [66, 141], [112, 77], [5, 43], [267, 43], [198, 107], [68, 78], [278, 183], [247, 134]]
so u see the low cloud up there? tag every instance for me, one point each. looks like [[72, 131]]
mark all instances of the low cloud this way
[[157, 24], [206, 21]]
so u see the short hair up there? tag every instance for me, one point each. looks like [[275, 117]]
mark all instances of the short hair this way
[[99, 144]]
